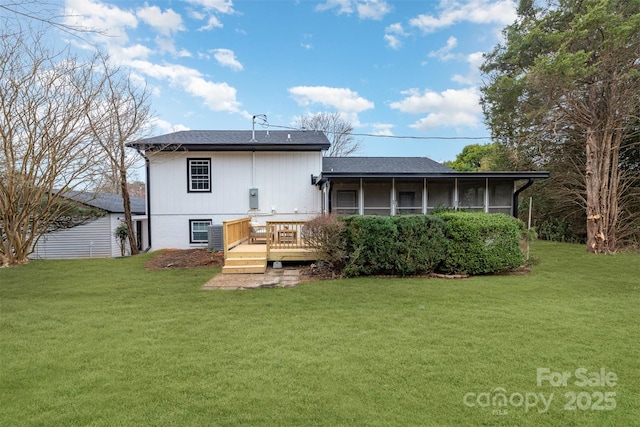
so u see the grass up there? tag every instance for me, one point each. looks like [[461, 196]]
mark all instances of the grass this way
[[104, 342]]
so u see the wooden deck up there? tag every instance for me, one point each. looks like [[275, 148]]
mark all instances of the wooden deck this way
[[244, 253]]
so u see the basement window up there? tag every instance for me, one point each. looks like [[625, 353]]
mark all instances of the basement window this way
[[198, 230]]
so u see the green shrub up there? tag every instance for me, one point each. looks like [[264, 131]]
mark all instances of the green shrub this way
[[480, 243], [370, 243], [404, 245], [421, 246]]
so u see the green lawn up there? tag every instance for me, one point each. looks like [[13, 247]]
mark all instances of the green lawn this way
[[107, 343]]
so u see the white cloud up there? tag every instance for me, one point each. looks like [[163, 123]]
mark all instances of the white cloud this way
[[160, 126], [473, 77], [347, 102], [366, 9], [382, 129], [129, 53], [373, 9], [195, 14], [216, 96], [212, 23], [444, 53], [166, 23], [343, 6], [502, 12], [165, 44], [392, 41], [96, 16], [222, 6], [227, 58], [304, 43], [342, 99], [450, 108], [392, 35]]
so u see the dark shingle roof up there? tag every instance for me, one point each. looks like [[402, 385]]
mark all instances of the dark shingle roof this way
[[407, 167], [363, 166], [108, 202], [236, 140]]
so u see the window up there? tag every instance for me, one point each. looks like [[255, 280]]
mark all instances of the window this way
[[440, 194], [198, 229], [409, 196], [406, 202], [500, 196], [471, 194], [344, 197], [346, 202], [377, 196], [199, 175]]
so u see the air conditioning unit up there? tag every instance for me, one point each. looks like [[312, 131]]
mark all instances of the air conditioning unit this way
[[215, 240]]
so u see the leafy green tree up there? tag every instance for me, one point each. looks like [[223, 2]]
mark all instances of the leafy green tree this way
[[480, 157], [565, 85]]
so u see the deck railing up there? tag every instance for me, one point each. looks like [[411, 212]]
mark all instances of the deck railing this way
[[285, 235], [279, 234], [235, 232]]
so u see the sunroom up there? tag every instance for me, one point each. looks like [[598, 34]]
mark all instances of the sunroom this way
[[397, 185]]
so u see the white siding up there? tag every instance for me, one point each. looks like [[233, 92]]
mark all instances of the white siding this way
[[283, 180], [92, 240], [84, 241]]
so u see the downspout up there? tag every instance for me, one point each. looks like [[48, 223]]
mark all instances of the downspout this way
[[514, 212], [148, 196]]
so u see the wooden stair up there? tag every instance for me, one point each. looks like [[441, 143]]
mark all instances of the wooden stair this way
[[245, 262]]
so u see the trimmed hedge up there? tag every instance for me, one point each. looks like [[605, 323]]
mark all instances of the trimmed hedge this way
[[404, 245], [420, 247], [447, 242], [370, 245], [480, 243]]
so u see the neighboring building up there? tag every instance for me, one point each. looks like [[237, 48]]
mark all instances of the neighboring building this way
[[94, 239], [201, 178]]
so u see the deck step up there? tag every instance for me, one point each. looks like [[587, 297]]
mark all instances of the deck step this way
[[236, 262], [245, 269], [245, 264]]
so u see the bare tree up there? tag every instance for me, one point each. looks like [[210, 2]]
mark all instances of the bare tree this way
[[42, 12], [338, 130], [47, 146], [122, 114]]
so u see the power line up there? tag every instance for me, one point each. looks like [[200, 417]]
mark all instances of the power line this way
[[389, 136]]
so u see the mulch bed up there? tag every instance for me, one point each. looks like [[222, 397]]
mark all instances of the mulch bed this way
[[176, 258]]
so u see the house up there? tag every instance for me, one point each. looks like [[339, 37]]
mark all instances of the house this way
[[95, 238], [208, 177]]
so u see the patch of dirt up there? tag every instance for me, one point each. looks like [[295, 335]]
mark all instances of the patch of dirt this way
[[313, 272], [176, 258]]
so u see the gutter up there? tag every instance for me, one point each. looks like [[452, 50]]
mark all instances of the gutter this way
[[516, 194], [148, 196]]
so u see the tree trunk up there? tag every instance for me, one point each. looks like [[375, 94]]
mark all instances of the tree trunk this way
[[126, 200], [595, 234]]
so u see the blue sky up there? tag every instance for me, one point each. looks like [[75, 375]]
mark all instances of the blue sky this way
[[393, 68]]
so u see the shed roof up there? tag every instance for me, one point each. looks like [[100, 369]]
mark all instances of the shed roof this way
[[111, 203], [235, 140]]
